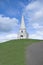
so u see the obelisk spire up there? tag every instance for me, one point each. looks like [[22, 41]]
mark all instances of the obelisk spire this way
[[22, 32], [22, 23]]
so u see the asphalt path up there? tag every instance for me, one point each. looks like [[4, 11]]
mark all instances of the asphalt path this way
[[34, 54]]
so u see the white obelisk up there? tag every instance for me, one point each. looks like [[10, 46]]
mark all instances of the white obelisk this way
[[22, 32]]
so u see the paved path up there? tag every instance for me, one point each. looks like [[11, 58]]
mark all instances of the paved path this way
[[34, 54]]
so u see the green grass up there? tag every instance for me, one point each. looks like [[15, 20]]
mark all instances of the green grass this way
[[12, 52]]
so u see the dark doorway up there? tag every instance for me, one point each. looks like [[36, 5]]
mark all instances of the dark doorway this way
[[21, 36]]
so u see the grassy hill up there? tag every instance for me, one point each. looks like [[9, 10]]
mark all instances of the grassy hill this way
[[12, 52]]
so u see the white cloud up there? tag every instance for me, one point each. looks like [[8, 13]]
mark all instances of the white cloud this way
[[37, 35], [39, 14], [37, 26], [34, 15], [8, 37], [34, 10], [32, 6], [11, 36], [8, 28], [7, 24]]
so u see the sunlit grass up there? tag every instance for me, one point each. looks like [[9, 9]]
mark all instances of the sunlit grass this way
[[12, 52]]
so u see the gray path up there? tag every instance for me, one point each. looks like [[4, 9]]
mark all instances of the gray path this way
[[34, 54]]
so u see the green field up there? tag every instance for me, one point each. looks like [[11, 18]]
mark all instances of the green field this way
[[12, 52]]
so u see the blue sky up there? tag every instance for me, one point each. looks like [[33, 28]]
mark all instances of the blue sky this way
[[11, 12]]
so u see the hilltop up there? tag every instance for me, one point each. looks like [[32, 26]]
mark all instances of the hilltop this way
[[12, 52]]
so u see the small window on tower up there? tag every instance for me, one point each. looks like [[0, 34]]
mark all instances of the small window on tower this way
[[22, 31]]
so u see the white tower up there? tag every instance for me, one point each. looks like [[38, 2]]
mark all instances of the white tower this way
[[22, 32]]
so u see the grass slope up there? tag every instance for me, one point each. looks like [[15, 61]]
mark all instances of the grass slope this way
[[12, 52]]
